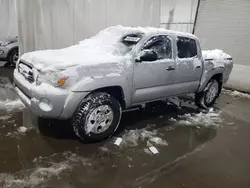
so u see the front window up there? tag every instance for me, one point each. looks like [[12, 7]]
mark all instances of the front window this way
[[162, 45]]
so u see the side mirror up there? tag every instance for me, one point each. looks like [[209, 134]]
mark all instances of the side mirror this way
[[147, 55]]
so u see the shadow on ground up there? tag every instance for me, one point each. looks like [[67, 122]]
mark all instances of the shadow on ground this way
[[137, 119]]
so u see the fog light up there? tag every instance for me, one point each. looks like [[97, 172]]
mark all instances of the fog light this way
[[45, 105]]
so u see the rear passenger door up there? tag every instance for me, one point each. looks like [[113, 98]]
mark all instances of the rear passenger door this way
[[188, 66]]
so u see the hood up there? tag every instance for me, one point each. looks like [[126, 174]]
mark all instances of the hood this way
[[74, 56]]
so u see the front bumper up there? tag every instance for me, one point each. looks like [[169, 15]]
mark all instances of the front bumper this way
[[47, 101]]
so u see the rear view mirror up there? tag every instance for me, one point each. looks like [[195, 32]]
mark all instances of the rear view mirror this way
[[147, 55]]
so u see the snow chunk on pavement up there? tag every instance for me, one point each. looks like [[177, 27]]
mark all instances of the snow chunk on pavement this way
[[22, 129], [157, 141], [132, 137], [211, 118], [10, 105]]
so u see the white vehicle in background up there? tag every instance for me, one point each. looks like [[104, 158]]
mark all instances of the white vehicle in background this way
[[9, 51], [120, 68]]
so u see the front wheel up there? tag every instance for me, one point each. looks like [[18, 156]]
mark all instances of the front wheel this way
[[13, 58], [97, 117], [208, 96]]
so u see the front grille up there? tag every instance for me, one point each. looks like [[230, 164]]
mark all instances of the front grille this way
[[26, 71]]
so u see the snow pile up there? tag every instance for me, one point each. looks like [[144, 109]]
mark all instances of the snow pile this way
[[133, 137], [211, 118], [238, 94], [215, 54], [18, 132], [10, 105], [157, 141], [41, 174], [36, 177], [4, 118]]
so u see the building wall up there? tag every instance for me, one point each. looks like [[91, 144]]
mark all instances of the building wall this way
[[225, 25], [8, 19], [178, 15], [46, 24]]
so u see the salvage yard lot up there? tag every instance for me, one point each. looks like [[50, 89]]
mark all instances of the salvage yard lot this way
[[196, 149]]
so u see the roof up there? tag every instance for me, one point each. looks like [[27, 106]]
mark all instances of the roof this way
[[146, 30]]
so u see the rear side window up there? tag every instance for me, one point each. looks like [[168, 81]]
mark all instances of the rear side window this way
[[186, 47]]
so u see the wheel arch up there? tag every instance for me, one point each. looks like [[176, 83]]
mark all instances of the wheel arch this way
[[11, 50], [115, 91]]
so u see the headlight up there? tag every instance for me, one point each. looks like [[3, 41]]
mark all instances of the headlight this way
[[51, 78]]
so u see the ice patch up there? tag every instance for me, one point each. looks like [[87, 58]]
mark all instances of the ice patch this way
[[10, 105], [211, 118]]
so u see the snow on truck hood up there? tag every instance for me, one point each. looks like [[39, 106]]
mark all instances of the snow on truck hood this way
[[68, 57]]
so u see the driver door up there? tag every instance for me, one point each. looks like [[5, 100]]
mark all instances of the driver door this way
[[153, 78]]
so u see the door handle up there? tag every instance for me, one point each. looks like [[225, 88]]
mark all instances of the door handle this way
[[170, 68], [198, 67]]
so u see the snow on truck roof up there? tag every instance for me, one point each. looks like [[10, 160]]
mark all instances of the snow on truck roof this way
[[118, 31]]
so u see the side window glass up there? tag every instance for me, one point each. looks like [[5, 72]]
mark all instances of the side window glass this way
[[161, 45], [186, 47]]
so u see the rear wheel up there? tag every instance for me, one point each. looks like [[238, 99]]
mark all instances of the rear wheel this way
[[97, 117], [208, 96]]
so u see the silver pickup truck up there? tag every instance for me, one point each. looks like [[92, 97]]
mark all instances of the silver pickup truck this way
[[120, 68]]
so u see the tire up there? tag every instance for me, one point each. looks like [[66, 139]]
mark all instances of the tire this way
[[208, 96], [12, 57], [97, 117]]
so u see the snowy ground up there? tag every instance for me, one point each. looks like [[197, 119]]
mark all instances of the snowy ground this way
[[45, 153]]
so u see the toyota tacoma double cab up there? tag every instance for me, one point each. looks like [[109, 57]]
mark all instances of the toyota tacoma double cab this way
[[120, 68]]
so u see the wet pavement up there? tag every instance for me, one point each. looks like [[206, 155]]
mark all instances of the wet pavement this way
[[195, 149]]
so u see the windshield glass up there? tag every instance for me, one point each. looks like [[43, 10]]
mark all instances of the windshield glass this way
[[115, 41]]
